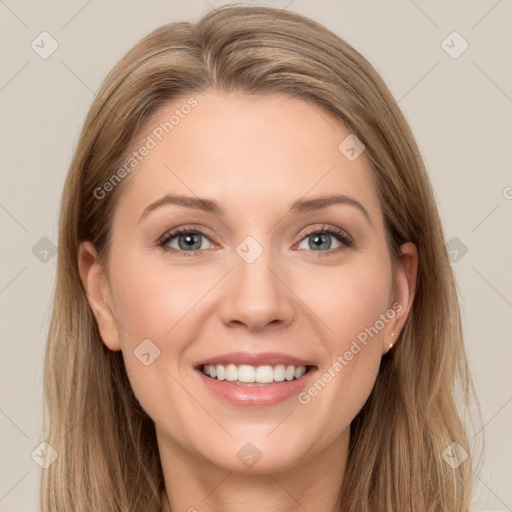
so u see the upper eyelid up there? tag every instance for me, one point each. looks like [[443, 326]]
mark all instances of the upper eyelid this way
[[327, 228], [174, 232]]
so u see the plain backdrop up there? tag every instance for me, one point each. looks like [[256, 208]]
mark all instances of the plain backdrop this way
[[458, 101]]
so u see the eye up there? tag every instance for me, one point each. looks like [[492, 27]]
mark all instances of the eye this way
[[188, 241], [327, 239], [185, 240]]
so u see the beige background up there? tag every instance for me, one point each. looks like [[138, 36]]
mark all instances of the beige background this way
[[459, 109]]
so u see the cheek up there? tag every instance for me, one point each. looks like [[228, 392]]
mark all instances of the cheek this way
[[152, 313], [348, 299], [363, 300], [152, 298], [352, 305], [157, 303]]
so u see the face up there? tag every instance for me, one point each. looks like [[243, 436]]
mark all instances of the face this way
[[227, 260]]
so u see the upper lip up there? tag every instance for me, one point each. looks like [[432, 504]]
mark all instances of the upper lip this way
[[255, 359]]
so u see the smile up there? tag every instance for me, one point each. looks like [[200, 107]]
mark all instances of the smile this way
[[245, 374], [246, 379]]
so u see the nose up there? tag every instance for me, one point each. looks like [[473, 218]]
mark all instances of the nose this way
[[257, 296]]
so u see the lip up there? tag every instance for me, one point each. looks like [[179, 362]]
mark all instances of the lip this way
[[254, 359], [254, 395]]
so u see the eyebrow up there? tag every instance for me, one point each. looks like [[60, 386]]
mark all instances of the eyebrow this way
[[211, 206]]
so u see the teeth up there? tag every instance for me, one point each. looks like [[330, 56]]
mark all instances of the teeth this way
[[247, 373], [221, 372], [299, 372], [231, 372]]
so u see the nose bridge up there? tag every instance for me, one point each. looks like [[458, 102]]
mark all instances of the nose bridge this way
[[257, 296]]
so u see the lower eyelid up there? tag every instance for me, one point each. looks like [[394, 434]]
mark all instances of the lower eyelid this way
[[343, 245], [164, 241], [169, 237]]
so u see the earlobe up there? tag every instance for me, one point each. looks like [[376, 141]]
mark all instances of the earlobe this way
[[95, 282], [404, 286]]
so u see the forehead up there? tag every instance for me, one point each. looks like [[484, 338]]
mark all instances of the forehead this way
[[250, 153]]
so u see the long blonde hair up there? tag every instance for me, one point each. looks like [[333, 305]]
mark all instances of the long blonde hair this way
[[107, 452]]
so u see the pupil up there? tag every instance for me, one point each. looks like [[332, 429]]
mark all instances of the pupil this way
[[321, 239], [191, 240]]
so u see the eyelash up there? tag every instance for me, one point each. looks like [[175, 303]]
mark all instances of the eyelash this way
[[329, 230]]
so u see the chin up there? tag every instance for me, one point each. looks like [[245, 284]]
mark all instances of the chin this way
[[257, 454]]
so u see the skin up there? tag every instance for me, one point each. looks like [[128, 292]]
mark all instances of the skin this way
[[255, 156]]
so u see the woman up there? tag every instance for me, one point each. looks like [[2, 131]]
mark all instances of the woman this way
[[254, 307]]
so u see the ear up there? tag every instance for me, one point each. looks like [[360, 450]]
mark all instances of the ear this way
[[95, 281], [404, 289]]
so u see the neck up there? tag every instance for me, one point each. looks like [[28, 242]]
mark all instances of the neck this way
[[194, 485]]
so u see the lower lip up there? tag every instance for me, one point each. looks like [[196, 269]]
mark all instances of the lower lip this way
[[257, 395]]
